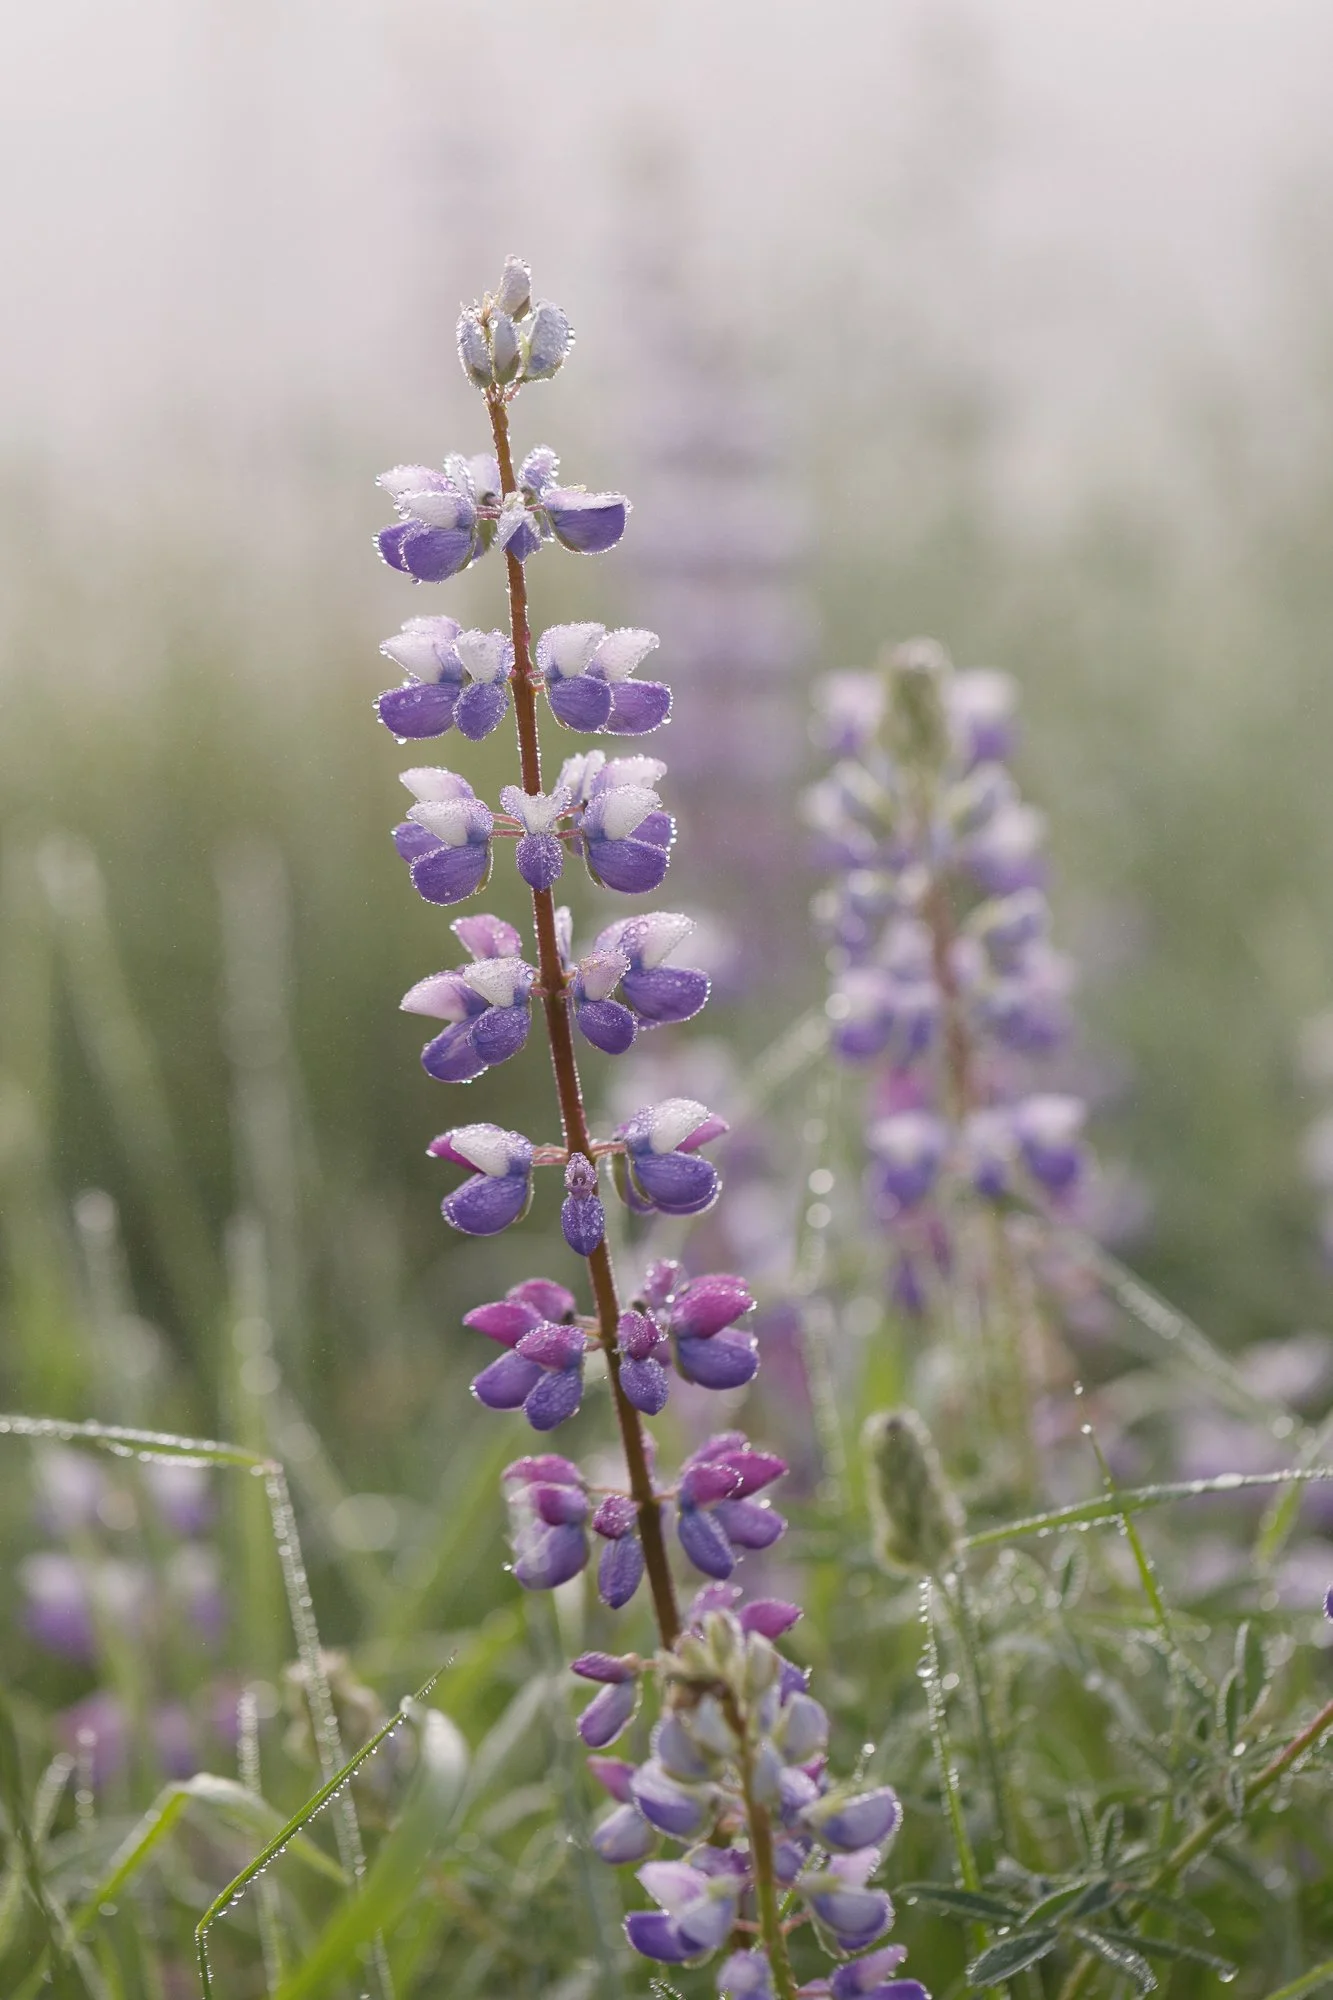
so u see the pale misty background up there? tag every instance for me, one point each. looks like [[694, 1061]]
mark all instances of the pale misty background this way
[[1011, 322]]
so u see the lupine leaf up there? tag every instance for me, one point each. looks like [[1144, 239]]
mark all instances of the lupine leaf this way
[[962, 1902], [1167, 1948], [1122, 1956], [1010, 1955]]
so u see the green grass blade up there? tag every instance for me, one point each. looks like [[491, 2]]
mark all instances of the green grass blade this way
[[1309, 1982], [1135, 1500], [430, 1811]]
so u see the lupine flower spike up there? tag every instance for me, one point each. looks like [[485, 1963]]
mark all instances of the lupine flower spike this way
[[736, 1771]]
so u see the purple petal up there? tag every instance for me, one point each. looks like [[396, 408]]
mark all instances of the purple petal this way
[[540, 859], [487, 937], [506, 1382], [665, 993], [552, 1345], [582, 702], [750, 1524], [480, 708], [604, 1667], [587, 523], [752, 1469], [654, 1935], [607, 1025], [420, 709], [545, 1557], [555, 1398], [451, 874], [647, 1385], [412, 840], [619, 1571], [623, 1836], [638, 707], [632, 866], [617, 1516], [452, 1057], [705, 1305], [557, 1504], [856, 1917], [671, 1808], [487, 1203], [613, 1774], [505, 1320], [583, 1223], [726, 1362], [865, 1979], [770, 1616], [609, 1712], [677, 1183], [546, 1298], [637, 1336], [389, 542], [856, 1823], [432, 554], [501, 1032], [704, 1542]]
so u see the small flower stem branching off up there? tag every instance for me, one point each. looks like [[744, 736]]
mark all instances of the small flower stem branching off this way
[[569, 1090], [1217, 1823], [771, 1930]]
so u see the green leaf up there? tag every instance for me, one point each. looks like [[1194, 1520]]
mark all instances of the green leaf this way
[[1309, 1982], [1010, 1955], [57, 1941], [1251, 1666], [1122, 1956], [429, 1814], [1167, 1948], [1080, 1897], [962, 1902]]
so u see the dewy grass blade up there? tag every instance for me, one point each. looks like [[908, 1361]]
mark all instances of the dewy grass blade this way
[[123, 1442], [432, 1808], [1135, 1500], [1309, 1982]]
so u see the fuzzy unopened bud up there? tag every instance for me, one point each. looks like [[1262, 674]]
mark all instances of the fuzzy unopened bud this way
[[474, 351], [513, 294], [918, 723], [917, 1521]]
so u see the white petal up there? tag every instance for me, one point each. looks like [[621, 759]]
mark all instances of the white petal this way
[[536, 811], [625, 808], [437, 996], [633, 771], [496, 979], [568, 648], [486, 1147], [486, 655], [415, 653], [673, 1120], [661, 933], [431, 781], [621, 651], [400, 479], [447, 819], [578, 773], [437, 510]]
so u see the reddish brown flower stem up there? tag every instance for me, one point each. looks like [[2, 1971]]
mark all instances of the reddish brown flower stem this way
[[553, 986]]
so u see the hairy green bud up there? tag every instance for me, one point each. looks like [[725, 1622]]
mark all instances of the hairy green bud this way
[[917, 725], [917, 1521]]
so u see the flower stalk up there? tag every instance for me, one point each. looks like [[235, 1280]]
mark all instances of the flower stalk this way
[[553, 987]]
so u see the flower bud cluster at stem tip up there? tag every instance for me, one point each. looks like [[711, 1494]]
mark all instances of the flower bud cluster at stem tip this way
[[736, 1770]]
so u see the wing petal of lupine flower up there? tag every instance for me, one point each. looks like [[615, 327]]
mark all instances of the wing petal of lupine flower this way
[[705, 1542], [609, 1713], [655, 1935], [727, 1361], [480, 708], [666, 994], [750, 1524], [746, 1975], [647, 1385], [501, 1032], [620, 1571], [871, 1978], [677, 1183], [675, 1809], [483, 1206], [638, 707], [507, 1382], [586, 523], [624, 1836], [706, 1305], [453, 1057], [419, 710]]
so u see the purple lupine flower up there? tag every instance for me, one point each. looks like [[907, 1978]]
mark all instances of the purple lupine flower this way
[[907, 1150], [487, 1004], [1049, 1130], [642, 1344], [981, 703], [437, 533], [424, 705], [698, 1911], [605, 1022], [848, 1823], [660, 1168], [548, 1511], [70, 1487], [746, 1975], [587, 671], [612, 1708], [182, 1492], [624, 1835], [770, 1616], [711, 1348], [582, 1216], [620, 1567], [1006, 855], [656, 993], [586, 523], [541, 1371], [848, 1913], [446, 839], [540, 857], [682, 1811], [715, 1512], [871, 1978], [501, 1189], [625, 836]]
